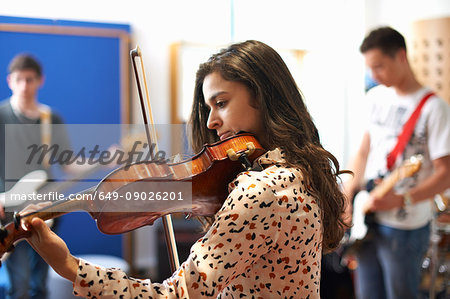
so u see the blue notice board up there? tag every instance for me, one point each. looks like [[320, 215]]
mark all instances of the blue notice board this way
[[86, 81]]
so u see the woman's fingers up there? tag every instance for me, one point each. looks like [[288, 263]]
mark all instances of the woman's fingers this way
[[40, 232]]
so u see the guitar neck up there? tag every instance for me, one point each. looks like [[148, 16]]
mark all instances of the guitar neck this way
[[387, 184], [409, 168]]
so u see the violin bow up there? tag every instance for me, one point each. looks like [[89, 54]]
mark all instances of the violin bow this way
[[151, 136]]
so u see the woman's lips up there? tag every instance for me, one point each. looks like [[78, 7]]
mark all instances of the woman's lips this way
[[225, 135]]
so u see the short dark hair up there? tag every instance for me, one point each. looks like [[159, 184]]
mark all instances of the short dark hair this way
[[388, 40], [23, 62]]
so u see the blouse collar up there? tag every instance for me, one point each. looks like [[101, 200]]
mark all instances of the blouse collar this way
[[275, 156]]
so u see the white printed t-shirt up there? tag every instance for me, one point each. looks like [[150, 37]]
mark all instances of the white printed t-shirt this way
[[431, 139]]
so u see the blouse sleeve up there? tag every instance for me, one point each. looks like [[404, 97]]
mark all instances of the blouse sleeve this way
[[244, 229]]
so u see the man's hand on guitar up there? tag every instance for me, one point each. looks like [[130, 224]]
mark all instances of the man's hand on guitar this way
[[387, 202]]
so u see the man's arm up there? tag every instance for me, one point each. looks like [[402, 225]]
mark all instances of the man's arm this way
[[358, 166]]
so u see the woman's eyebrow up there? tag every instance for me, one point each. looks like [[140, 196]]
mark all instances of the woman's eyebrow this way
[[215, 95]]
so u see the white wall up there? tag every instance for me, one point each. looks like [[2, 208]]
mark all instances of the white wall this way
[[399, 14], [311, 25], [330, 30]]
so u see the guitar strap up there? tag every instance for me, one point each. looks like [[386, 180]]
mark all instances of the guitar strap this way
[[46, 138], [404, 137], [46, 129]]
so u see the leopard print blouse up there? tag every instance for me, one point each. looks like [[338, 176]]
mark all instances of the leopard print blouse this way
[[265, 243]]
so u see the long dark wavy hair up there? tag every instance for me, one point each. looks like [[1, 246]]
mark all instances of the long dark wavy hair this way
[[286, 120]]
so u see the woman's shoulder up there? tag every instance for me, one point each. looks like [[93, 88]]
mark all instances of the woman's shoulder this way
[[278, 181], [271, 175]]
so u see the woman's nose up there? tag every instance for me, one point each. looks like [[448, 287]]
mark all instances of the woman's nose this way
[[213, 121]]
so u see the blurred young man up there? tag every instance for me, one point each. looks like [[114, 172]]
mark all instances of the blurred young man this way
[[26, 270], [389, 263]]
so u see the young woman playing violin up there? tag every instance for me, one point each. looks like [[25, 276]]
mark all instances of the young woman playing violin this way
[[267, 239]]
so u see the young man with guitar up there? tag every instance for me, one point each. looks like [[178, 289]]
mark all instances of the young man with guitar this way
[[407, 123], [25, 121]]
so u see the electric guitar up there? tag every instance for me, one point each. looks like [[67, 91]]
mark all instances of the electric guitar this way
[[33, 187], [28, 184], [361, 213], [36, 182]]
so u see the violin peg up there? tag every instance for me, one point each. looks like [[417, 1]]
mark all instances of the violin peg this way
[[232, 155], [250, 148], [17, 219]]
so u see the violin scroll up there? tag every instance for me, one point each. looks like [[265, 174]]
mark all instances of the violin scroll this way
[[9, 234]]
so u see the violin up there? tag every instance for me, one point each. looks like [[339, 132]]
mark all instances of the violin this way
[[208, 172]]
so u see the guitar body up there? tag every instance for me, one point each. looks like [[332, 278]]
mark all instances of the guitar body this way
[[28, 184], [359, 228], [362, 219]]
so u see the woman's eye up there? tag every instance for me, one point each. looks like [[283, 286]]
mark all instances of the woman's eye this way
[[220, 104]]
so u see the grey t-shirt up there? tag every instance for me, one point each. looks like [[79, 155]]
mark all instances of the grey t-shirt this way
[[18, 134]]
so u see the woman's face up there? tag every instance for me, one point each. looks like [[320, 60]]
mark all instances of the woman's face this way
[[232, 108]]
